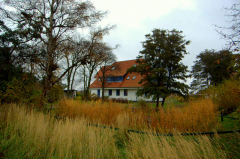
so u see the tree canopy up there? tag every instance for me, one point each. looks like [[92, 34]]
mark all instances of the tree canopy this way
[[49, 25], [211, 68], [159, 63]]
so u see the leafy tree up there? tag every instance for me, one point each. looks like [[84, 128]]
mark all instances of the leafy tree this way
[[160, 65], [211, 68], [50, 23], [13, 53]]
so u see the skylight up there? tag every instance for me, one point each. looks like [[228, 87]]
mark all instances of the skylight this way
[[113, 68], [128, 77], [134, 77]]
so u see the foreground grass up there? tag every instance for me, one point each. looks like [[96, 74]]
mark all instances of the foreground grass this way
[[31, 134]]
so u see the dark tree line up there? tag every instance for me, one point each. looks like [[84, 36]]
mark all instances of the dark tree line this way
[[43, 34]]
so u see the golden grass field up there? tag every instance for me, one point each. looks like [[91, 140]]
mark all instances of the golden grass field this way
[[196, 116], [31, 134]]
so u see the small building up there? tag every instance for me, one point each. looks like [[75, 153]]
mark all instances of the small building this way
[[73, 93], [119, 84]]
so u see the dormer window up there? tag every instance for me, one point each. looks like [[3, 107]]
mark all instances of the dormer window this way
[[115, 79], [134, 77], [128, 77], [113, 68]]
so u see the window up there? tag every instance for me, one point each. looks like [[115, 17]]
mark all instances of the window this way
[[134, 65], [134, 77], [128, 77], [98, 92], [118, 92], [99, 79], [113, 68], [110, 92], [115, 79], [125, 92]]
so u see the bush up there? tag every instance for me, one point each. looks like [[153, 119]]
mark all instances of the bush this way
[[226, 95], [24, 90], [118, 100], [94, 97], [113, 99], [142, 103], [180, 99]]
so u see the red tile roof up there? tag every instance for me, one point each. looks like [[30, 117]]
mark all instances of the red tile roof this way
[[123, 66]]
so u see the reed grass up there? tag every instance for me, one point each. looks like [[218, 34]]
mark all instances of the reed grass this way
[[150, 146], [35, 135], [196, 116]]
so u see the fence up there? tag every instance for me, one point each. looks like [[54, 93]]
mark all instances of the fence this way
[[223, 116], [183, 134], [155, 134]]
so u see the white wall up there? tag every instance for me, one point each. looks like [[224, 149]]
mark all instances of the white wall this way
[[131, 93]]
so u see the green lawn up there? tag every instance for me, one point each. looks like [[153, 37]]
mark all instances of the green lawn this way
[[230, 142]]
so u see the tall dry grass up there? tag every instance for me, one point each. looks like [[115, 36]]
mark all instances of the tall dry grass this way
[[151, 147], [94, 112], [31, 134], [196, 116]]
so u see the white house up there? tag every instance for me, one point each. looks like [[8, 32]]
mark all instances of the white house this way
[[120, 84]]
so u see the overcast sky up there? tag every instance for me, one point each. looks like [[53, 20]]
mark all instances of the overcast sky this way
[[136, 18]]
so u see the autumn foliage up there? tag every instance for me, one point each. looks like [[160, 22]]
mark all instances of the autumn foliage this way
[[226, 95]]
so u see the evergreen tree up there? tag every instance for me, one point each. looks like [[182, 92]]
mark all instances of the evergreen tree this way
[[160, 65]]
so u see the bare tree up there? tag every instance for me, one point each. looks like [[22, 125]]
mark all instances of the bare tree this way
[[232, 32], [105, 68], [76, 49], [50, 23], [100, 51]]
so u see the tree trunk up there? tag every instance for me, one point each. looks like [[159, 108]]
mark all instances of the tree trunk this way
[[84, 83], [163, 101], [103, 86], [50, 52], [88, 85], [157, 104]]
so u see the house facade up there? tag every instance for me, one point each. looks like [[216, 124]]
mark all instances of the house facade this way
[[119, 83]]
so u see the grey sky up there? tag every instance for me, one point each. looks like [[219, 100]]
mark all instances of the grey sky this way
[[135, 18]]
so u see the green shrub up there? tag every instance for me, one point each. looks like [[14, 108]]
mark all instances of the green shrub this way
[[226, 95]]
